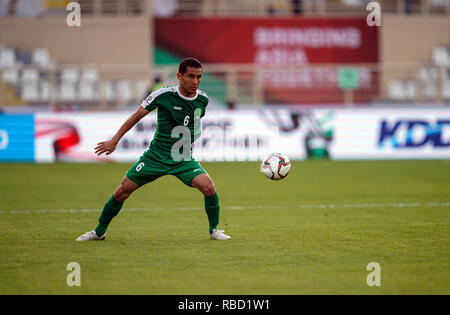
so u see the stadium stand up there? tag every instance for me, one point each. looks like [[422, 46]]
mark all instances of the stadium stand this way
[[305, 7], [39, 80], [29, 8], [428, 82], [46, 76]]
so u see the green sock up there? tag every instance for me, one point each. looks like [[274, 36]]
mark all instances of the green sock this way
[[110, 210], [212, 210]]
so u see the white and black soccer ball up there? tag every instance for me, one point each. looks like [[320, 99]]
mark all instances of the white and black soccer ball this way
[[276, 166]]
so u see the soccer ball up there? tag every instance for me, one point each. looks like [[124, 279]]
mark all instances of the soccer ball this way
[[276, 166]]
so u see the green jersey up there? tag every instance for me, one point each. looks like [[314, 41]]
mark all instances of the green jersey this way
[[174, 111]]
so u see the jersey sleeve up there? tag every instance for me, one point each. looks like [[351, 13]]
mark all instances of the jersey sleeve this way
[[150, 102], [205, 101]]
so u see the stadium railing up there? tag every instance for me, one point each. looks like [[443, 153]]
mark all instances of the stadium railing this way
[[216, 8], [307, 7], [23, 8], [318, 84], [86, 88]]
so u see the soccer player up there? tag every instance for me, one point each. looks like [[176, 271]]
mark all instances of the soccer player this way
[[179, 106]]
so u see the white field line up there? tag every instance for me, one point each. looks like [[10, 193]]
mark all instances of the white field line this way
[[248, 207]]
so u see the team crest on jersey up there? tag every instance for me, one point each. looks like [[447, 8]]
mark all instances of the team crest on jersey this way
[[149, 99]]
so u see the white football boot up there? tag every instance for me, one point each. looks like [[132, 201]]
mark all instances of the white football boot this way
[[219, 235], [91, 236]]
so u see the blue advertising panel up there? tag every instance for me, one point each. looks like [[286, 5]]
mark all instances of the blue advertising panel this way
[[16, 138]]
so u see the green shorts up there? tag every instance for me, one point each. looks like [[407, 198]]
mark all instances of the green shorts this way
[[148, 169]]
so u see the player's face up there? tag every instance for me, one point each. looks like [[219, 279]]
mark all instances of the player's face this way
[[189, 81]]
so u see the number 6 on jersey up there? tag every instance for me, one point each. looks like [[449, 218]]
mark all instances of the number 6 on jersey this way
[[139, 167]]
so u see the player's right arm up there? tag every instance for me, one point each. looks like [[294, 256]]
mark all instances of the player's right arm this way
[[109, 146]]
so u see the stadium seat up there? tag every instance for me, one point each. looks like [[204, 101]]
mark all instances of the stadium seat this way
[[107, 91], [89, 74], [352, 2], [441, 56], [69, 75], [124, 91], [29, 91], [41, 57], [396, 90], [141, 87], [7, 57], [437, 2], [10, 75], [30, 75], [428, 77], [410, 89], [446, 91], [67, 85], [445, 86], [67, 91], [401, 90], [28, 8], [44, 93], [87, 91], [88, 85]]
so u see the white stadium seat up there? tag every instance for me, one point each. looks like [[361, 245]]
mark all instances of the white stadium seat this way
[[107, 91], [29, 91], [396, 90], [30, 75], [67, 91], [44, 93], [40, 57], [445, 87], [402, 90], [87, 91], [141, 87], [10, 76], [440, 56], [89, 74], [410, 89], [428, 78], [7, 57], [69, 75], [124, 91]]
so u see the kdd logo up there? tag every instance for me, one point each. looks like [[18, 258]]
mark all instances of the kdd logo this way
[[414, 133]]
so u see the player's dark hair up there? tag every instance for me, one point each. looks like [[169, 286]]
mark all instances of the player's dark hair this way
[[189, 62]]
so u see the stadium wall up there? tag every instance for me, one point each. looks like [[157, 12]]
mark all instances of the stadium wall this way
[[239, 135], [99, 40]]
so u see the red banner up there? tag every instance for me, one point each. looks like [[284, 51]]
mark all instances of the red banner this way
[[269, 40], [297, 41]]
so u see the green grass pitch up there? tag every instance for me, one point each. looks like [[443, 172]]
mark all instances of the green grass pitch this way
[[311, 233]]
